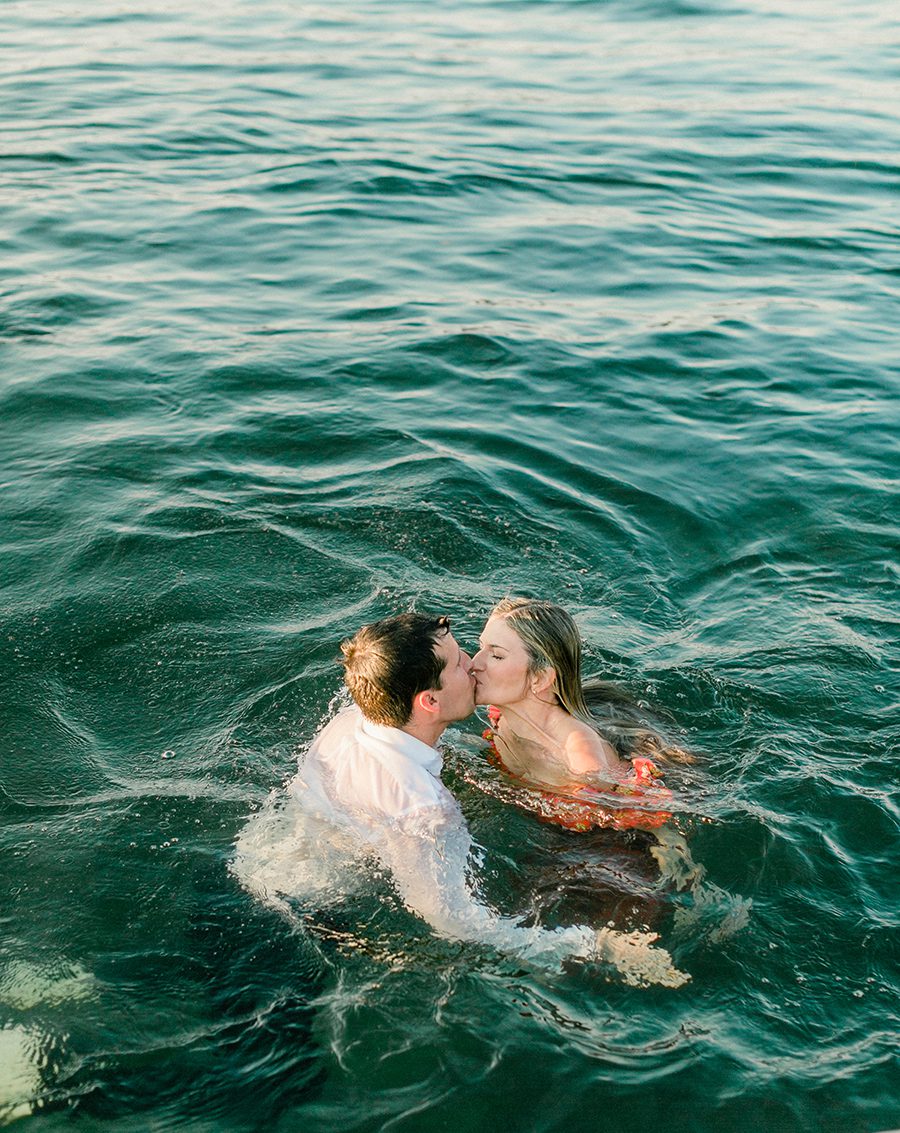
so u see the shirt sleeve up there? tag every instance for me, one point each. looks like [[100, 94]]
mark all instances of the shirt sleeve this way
[[427, 852]]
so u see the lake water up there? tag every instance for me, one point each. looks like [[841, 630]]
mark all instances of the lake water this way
[[311, 314]]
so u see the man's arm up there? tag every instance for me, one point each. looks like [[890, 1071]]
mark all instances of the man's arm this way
[[428, 852]]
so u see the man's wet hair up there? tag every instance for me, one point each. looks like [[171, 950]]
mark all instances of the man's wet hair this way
[[388, 663]]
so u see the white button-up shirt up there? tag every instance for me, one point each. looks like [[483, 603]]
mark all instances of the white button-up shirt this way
[[384, 785], [367, 774]]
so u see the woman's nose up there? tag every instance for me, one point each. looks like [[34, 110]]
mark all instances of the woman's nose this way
[[477, 660]]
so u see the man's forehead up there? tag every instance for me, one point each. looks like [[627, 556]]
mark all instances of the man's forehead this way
[[445, 645]]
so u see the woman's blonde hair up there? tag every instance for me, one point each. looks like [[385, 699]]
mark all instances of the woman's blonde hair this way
[[552, 640]]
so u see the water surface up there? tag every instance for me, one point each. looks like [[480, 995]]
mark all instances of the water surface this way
[[311, 314]]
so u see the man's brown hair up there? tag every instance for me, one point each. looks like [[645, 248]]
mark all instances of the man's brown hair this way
[[388, 663]]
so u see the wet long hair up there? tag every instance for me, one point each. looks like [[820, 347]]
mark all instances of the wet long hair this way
[[551, 640]]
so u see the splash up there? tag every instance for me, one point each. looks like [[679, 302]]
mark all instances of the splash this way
[[283, 852]]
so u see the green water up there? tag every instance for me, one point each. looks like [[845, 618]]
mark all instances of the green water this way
[[312, 314]]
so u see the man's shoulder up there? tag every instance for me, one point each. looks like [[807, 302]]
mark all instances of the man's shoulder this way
[[341, 727], [372, 769]]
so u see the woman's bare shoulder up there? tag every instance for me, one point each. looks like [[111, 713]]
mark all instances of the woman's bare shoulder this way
[[588, 753]]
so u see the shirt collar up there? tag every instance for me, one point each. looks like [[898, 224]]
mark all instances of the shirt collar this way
[[403, 744]]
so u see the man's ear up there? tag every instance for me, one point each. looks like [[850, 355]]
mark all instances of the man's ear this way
[[426, 701], [543, 680]]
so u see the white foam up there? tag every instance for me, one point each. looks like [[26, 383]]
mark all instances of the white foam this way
[[284, 852]]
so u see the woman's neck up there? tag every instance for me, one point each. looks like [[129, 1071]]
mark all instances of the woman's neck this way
[[537, 715]]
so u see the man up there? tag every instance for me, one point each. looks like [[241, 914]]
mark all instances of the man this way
[[374, 770]]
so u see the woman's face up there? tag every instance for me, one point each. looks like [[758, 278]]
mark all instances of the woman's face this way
[[500, 665]]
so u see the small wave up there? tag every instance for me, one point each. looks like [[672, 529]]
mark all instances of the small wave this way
[[469, 349]]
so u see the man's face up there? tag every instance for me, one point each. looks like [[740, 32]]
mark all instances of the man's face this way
[[456, 695]]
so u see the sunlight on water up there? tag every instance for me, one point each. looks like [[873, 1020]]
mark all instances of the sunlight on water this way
[[20, 1081], [24, 985]]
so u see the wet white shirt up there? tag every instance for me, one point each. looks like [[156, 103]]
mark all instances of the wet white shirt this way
[[367, 774], [384, 784]]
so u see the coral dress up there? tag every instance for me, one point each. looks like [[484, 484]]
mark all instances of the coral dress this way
[[582, 808]]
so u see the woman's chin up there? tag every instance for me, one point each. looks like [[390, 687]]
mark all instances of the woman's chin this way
[[481, 697]]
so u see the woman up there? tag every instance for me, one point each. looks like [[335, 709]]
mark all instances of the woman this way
[[545, 736], [528, 669]]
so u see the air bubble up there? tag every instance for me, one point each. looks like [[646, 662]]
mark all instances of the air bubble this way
[[168, 754]]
